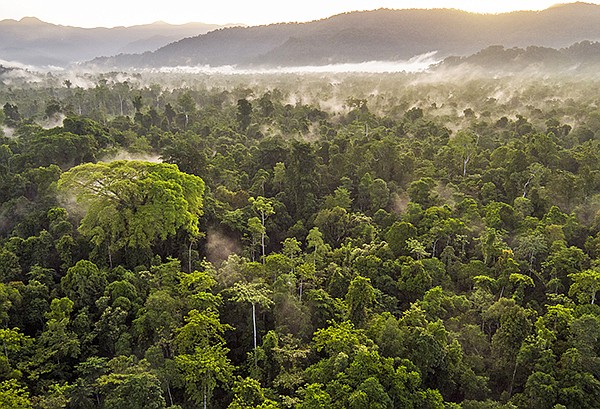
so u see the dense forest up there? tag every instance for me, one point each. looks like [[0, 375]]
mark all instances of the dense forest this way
[[299, 241]]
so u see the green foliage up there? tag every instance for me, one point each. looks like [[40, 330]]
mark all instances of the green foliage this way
[[13, 395], [202, 370], [249, 394], [134, 204], [585, 285], [136, 391], [428, 245], [84, 283], [359, 298], [315, 397]]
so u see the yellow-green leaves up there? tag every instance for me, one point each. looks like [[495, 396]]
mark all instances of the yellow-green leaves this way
[[133, 203]]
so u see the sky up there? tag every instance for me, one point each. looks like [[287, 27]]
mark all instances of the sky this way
[[111, 13]]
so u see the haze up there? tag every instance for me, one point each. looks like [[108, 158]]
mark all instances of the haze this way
[[111, 13]]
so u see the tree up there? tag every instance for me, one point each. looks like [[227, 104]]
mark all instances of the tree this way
[[253, 293], [341, 198], [541, 391], [202, 328], [360, 297], [57, 343], [339, 338], [132, 204], [244, 112], [14, 346], [416, 248], [12, 117], [86, 389], [84, 283], [257, 233], [187, 105], [315, 397], [422, 192], [515, 326], [585, 285], [465, 144], [414, 279], [531, 246], [248, 394], [264, 208], [379, 194], [314, 240], [13, 395], [334, 224], [202, 370], [370, 395], [397, 236], [132, 390], [521, 281], [9, 266]]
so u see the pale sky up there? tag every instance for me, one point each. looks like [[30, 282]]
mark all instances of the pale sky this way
[[110, 13]]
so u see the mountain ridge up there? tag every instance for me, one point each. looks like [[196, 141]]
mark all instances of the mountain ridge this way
[[36, 42], [583, 56], [352, 37], [382, 34]]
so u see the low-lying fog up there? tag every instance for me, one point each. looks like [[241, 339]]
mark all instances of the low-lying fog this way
[[31, 73], [416, 64], [390, 88]]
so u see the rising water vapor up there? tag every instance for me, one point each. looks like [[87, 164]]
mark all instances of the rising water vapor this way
[[124, 155], [52, 122], [219, 247], [416, 64]]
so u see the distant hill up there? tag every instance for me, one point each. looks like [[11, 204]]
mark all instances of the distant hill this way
[[374, 35], [583, 56], [32, 41]]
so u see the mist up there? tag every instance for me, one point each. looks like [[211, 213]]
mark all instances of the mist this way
[[418, 63], [390, 88], [124, 155], [53, 122], [219, 247], [8, 132]]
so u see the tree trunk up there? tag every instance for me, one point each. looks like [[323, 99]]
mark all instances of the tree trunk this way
[[169, 393], [262, 236], [512, 380], [254, 332], [190, 258], [121, 103]]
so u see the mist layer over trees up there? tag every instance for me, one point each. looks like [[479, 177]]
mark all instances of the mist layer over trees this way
[[426, 240]]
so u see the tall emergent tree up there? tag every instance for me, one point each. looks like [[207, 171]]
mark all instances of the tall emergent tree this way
[[132, 204], [253, 293], [264, 208]]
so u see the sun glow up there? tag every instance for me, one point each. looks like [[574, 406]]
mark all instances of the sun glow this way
[[495, 7], [110, 13]]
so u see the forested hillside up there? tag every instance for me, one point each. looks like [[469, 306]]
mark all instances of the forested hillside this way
[[390, 241], [579, 57], [380, 35]]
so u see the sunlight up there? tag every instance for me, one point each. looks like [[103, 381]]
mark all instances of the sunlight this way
[[494, 7], [68, 12]]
